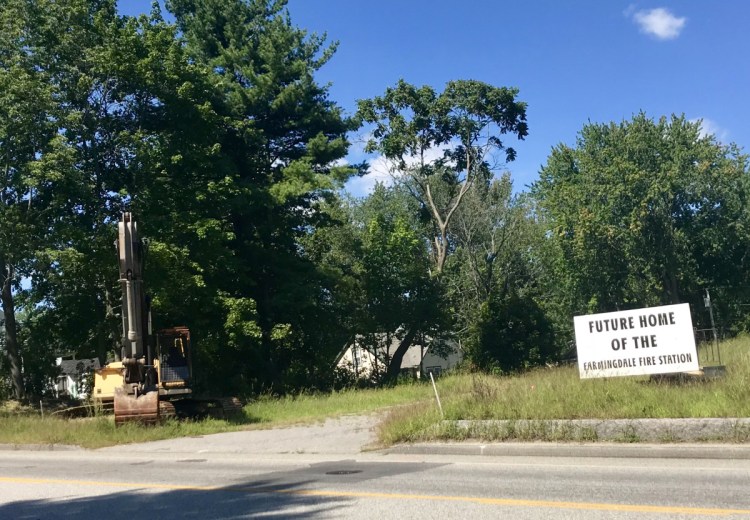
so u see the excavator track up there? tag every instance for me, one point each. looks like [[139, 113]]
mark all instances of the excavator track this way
[[230, 406], [167, 411]]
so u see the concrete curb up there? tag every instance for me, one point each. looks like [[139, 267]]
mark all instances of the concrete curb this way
[[736, 430], [602, 450], [636, 438]]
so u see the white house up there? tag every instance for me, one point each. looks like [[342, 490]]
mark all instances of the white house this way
[[73, 380], [420, 359]]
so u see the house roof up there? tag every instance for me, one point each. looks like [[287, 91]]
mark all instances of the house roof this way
[[72, 367], [412, 357]]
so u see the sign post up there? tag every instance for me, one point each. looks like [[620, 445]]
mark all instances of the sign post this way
[[655, 340]]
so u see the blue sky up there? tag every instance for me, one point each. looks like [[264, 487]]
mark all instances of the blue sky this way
[[573, 62]]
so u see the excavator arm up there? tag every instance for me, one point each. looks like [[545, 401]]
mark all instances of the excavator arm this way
[[137, 399]]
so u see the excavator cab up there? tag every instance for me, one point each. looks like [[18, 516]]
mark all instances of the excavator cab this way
[[174, 361]]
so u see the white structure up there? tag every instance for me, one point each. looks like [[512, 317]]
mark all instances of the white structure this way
[[419, 359], [72, 381]]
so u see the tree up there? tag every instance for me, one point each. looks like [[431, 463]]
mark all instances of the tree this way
[[493, 279], [490, 231], [511, 333], [214, 133], [441, 144], [402, 300], [101, 121], [113, 91], [381, 260], [645, 213], [31, 157], [276, 142]]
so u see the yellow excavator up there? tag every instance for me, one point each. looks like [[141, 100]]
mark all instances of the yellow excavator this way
[[153, 379]]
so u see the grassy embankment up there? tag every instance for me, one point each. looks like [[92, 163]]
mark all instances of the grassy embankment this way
[[559, 393], [553, 393]]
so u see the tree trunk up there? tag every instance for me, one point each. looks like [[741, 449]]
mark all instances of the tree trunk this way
[[11, 336], [671, 287], [394, 367]]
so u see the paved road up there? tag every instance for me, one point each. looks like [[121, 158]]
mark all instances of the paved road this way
[[46, 485], [292, 473]]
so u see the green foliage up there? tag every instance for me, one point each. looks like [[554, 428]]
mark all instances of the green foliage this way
[[512, 333], [443, 143], [644, 213], [213, 131], [215, 134], [443, 147], [381, 262], [273, 140], [395, 265]]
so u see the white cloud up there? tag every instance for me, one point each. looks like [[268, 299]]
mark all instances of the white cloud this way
[[709, 127], [379, 172], [659, 22], [386, 172]]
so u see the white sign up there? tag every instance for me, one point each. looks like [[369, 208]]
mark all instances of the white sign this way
[[655, 340]]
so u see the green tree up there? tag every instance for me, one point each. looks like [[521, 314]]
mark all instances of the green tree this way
[[277, 140], [402, 300], [442, 143], [645, 212], [33, 161], [115, 90], [493, 279], [214, 133], [381, 260], [101, 121], [511, 333], [490, 231]]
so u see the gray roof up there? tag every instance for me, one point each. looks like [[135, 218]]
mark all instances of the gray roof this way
[[72, 367], [412, 357]]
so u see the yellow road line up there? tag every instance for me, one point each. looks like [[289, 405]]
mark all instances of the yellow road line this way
[[591, 506]]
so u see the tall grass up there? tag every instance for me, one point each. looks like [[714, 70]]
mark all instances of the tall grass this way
[[558, 393], [273, 411]]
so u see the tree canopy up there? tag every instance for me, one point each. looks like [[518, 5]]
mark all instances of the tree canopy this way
[[442, 143], [646, 212], [213, 130]]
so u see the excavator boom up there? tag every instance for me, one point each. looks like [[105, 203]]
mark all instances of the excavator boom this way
[[137, 399]]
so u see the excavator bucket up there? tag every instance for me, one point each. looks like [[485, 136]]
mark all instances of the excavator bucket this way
[[131, 408]]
